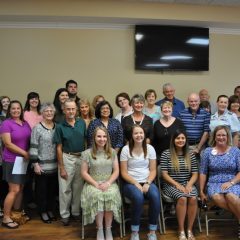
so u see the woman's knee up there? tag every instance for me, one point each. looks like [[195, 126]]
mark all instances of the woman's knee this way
[[15, 189], [182, 201], [231, 198]]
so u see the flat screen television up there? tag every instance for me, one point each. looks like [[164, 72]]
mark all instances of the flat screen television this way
[[162, 48]]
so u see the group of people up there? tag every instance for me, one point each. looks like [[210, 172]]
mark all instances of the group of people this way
[[77, 148]]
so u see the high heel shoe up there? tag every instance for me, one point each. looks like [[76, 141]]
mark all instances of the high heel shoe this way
[[45, 218]]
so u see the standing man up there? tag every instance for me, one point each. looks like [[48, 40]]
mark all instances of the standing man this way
[[70, 139], [204, 96], [196, 121], [72, 88], [168, 92]]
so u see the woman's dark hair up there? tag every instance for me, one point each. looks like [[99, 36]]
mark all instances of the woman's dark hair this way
[[9, 108], [1, 98], [221, 96], [131, 141], [30, 96], [124, 95], [98, 109], [185, 149], [205, 104], [150, 91], [56, 101], [233, 99]]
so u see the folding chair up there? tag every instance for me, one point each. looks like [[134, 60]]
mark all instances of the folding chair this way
[[167, 200]]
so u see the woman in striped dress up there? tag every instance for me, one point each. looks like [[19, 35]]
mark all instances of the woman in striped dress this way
[[180, 173]]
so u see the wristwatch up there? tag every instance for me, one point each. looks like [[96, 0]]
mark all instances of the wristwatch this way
[[148, 182]]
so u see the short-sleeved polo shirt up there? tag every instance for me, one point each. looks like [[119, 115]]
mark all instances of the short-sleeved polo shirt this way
[[72, 138]]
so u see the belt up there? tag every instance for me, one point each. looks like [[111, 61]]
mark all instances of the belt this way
[[78, 154]]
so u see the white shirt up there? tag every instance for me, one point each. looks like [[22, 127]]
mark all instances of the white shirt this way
[[138, 166]]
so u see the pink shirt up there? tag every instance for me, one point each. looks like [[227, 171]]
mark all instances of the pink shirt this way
[[32, 118]]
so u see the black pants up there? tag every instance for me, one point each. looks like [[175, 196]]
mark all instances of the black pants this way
[[46, 185], [3, 188]]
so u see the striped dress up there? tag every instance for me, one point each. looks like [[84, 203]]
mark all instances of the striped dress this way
[[183, 176]]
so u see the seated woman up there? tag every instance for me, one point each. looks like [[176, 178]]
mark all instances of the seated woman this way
[[138, 170], [100, 196], [180, 173], [220, 172]]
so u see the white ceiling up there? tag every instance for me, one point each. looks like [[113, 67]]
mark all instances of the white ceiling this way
[[200, 2]]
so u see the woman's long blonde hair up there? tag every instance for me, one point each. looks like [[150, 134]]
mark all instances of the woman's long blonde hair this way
[[107, 147], [173, 152]]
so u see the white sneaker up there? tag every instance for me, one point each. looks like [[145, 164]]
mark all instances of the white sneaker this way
[[100, 235], [182, 236], [108, 233], [134, 236]]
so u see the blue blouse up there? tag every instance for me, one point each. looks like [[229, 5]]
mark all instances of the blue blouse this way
[[114, 129]]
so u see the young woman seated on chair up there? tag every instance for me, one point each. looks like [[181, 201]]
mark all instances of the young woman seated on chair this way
[[138, 170], [100, 196], [180, 173]]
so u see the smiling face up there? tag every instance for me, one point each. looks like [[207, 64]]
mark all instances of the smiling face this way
[[221, 138], [70, 110], [222, 104], [138, 135], [105, 111], [169, 92], [63, 96], [234, 107], [84, 109], [180, 141], [151, 98], [5, 103], [194, 102], [100, 138], [15, 110], [33, 102], [166, 110], [48, 114], [137, 106]]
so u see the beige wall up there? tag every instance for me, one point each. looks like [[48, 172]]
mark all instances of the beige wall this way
[[102, 62]]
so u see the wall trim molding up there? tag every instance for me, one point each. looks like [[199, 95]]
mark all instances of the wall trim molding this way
[[79, 25]]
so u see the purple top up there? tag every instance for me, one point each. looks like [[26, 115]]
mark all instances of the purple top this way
[[20, 136]]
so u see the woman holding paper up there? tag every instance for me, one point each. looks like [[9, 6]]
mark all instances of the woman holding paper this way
[[15, 133]]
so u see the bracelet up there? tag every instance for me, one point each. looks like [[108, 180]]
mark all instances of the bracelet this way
[[232, 183]]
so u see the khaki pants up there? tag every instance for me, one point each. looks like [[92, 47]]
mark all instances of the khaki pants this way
[[70, 189]]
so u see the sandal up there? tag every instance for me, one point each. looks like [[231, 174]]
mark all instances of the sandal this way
[[8, 225]]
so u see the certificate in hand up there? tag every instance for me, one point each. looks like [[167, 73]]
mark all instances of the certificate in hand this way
[[20, 166]]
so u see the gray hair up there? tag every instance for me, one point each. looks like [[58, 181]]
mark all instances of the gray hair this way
[[137, 98], [46, 105], [166, 85], [69, 100]]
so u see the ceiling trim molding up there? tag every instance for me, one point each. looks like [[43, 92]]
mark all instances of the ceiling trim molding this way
[[112, 26]]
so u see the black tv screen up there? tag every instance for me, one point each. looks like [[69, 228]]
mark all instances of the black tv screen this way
[[163, 48]]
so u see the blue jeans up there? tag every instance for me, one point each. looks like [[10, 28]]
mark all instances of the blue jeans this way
[[137, 201]]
